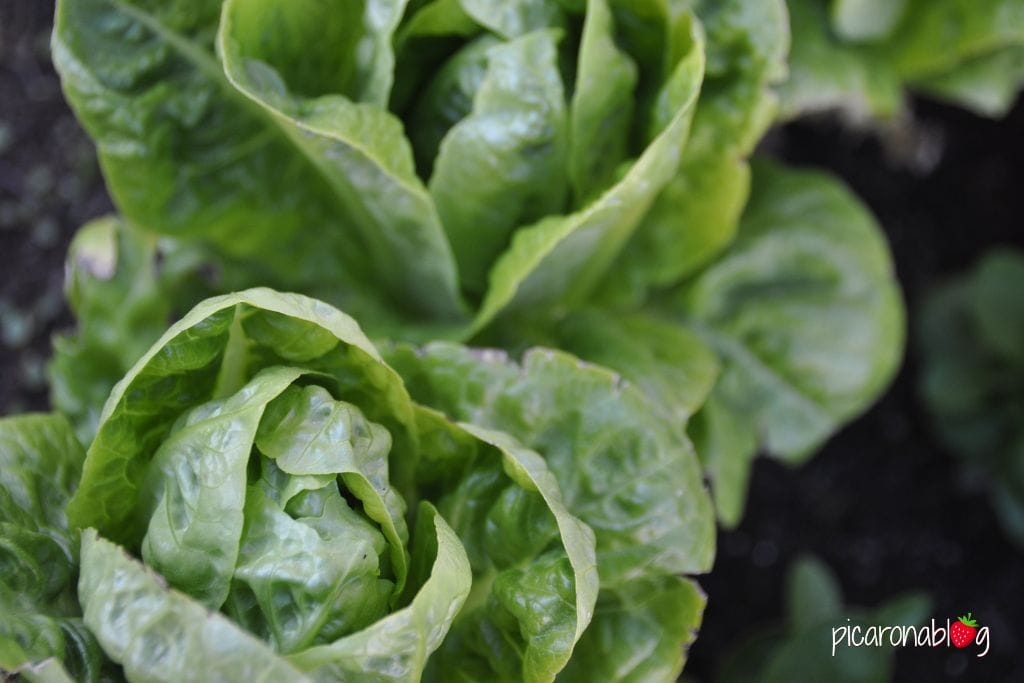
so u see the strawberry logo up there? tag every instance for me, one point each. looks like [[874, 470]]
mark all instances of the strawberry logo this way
[[963, 630]]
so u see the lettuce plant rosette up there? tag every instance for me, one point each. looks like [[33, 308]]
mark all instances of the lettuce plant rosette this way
[[539, 171], [265, 500]]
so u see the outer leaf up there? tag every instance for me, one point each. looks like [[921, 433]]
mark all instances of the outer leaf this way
[[357, 148], [809, 279], [185, 154], [640, 632], [537, 579], [726, 445], [159, 634], [183, 370], [673, 366], [122, 285], [40, 463], [561, 258], [652, 516]]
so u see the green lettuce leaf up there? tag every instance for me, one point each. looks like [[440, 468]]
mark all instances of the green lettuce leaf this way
[[501, 165], [561, 259], [672, 365], [807, 319], [601, 111], [259, 457], [159, 634], [41, 633], [653, 516], [124, 286], [649, 525], [209, 353], [859, 55], [325, 98], [535, 574], [396, 647], [186, 154], [277, 138], [640, 632], [696, 215]]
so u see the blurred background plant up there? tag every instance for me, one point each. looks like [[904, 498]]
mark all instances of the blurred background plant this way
[[800, 647], [972, 378]]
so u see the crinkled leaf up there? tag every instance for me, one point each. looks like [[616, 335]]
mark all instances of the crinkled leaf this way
[[803, 309], [185, 154], [182, 371], [308, 568], [535, 575], [159, 634], [195, 490], [673, 366], [308, 432], [41, 631], [651, 515], [640, 633]]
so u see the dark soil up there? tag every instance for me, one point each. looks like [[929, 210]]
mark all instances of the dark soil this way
[[49, 185], [883, 505]]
